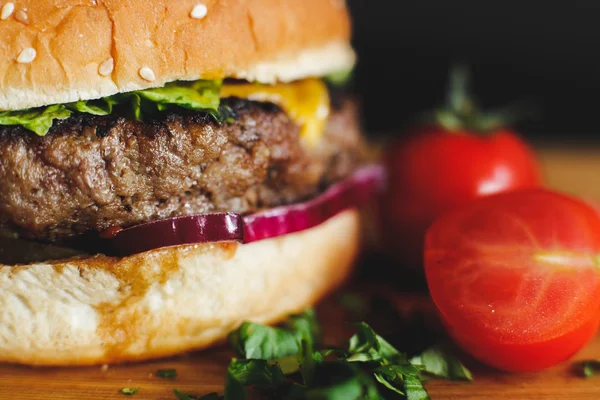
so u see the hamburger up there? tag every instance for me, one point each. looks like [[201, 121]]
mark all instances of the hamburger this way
[[170, 169]]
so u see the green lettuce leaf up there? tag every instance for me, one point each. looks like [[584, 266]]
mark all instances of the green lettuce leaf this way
[[199, 95], [95, 107], [38, 120], [136, 106]]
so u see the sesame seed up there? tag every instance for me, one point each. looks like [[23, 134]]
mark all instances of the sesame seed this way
[[27, 55], [104, 367], [22, 16], [199, 11], [147, 74], [7, 10], [106, 67]]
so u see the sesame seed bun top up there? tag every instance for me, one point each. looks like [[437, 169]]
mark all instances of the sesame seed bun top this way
[[59, 51]]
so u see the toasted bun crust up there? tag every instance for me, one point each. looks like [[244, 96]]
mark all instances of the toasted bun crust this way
[[166, 301], [55, 51]]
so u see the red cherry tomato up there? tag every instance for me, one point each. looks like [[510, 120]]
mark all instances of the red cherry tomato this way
[[435, 170], [516, 277], [595, 204]]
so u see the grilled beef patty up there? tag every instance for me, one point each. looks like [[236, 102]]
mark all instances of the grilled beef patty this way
[[90, 173]]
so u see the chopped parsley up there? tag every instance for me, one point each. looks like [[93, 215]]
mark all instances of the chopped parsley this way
[[129, 391], [186, 396], [439, 362], [588, 368], [289, 363]]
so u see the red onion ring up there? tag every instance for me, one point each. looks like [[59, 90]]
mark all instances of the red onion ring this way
[[355, 191]]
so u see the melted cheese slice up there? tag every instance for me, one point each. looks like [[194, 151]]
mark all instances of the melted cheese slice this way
[[305, 101]]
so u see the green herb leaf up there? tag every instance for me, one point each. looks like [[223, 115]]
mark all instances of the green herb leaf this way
[[258, 341], [38, 120], [258, 373], [393, 382], [167, 373], [441, 363], [305, 326], [308, 361], [129, 391], [211, 396], [389, 352], [341, 381], [234, 389], [364, 340], [289, 365], [393, 376], [335, 351], [307, 330], [589, 368], [369, 365], [186, 396], [413, 387], [263, 342], [366, 346]]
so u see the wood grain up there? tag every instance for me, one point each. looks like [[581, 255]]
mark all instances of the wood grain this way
[[573, 170]]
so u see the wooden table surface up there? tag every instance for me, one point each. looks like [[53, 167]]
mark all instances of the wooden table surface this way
[[572, 170]]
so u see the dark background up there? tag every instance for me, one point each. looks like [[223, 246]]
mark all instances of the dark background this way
[[546, 50]]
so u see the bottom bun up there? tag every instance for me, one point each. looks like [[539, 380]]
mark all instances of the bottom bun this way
[[167, 301]]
